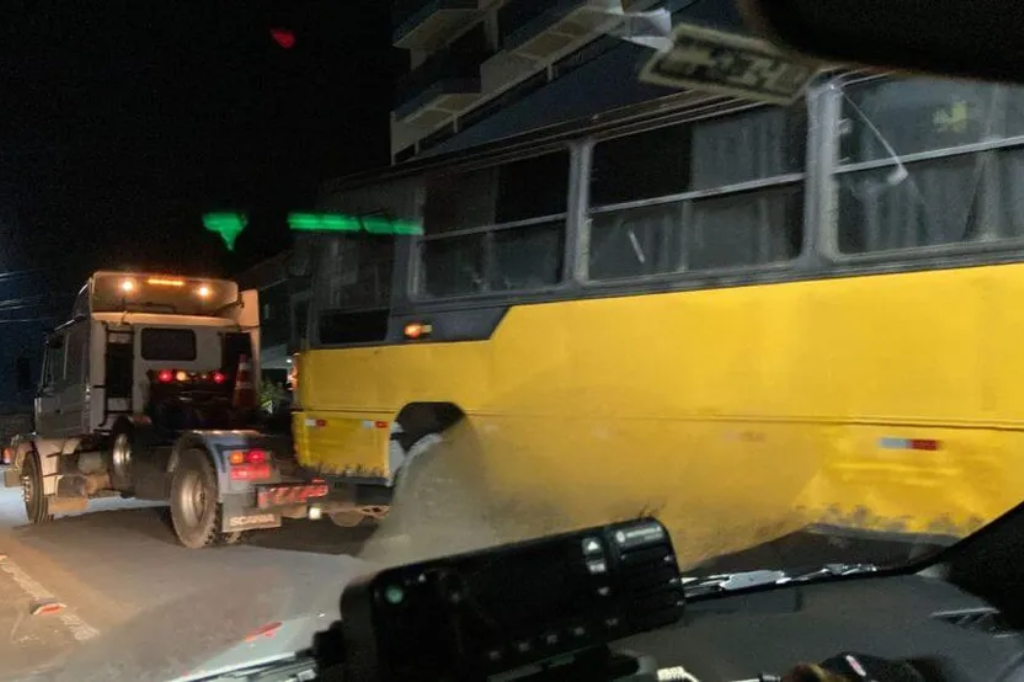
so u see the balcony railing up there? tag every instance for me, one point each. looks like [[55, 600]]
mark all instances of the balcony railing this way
[[422, 24], [446, 73], [521, 20]]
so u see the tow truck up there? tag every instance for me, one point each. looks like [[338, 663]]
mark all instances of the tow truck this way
[[148, 391]]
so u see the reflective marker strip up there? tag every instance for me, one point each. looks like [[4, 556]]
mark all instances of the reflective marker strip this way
[[926, 444], [80, 630], [46, 607]]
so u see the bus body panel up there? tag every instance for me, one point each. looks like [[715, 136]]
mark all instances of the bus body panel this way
[[870, 383], [593, 409]]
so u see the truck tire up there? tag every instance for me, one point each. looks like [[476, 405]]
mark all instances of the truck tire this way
[[37, 505], [195, 513], [122, 449]]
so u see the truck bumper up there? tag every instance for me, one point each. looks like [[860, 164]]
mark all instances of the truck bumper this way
[[265, 505]]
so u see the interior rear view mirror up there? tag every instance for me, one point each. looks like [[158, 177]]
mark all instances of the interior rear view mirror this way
[[945, 37]]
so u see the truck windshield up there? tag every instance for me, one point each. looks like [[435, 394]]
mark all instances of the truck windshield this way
[[118, 292]]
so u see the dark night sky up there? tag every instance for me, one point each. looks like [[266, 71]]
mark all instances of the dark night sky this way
[[123, 121]]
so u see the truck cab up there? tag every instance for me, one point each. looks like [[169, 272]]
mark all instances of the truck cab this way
[[146, 351]]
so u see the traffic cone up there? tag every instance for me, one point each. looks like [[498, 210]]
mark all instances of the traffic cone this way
[[245, 392]]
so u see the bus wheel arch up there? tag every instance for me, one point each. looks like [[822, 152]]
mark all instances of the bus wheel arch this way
[[434, 506], [417, 427], [418, 420]]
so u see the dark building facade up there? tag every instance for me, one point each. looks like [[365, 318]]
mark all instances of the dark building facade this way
[[484, 70], [481, 71]]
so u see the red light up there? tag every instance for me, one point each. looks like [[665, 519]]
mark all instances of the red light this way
[[268, 630], [219, 378], [256, 456], [283, 37], [166, 376], [250, 472], [45, 608], [922, 444]]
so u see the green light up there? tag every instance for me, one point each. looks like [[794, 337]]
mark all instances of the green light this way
[[337, 222], [394, 594], [227, 225]]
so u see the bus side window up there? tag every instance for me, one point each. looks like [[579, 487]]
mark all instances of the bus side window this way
[[353, 288], [718, 193], [968, 189], [495, 229]]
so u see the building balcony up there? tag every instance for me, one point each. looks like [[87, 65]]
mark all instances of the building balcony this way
[[424, 24], [540, 29], [446, 83]]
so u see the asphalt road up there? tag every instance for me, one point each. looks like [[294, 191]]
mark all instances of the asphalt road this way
[[129, 590], [133, 604]]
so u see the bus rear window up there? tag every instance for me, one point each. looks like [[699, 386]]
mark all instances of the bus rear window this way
[[173, 345]]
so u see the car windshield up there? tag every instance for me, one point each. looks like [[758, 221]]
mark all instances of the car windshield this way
[[423, 277]]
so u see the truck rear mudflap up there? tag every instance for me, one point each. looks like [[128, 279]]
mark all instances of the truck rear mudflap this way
[[266, 504]]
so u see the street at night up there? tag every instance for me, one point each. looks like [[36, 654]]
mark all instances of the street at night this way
[[547, 327], [120, 574]]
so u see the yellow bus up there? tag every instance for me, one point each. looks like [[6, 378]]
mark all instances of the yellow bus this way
[[744, 319]]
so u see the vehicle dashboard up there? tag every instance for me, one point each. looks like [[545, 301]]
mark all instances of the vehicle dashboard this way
[[768, 631]]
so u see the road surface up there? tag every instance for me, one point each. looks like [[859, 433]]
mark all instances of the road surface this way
[[127, 587], [134, 605]]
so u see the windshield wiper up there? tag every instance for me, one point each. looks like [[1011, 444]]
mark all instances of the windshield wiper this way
[[292, 668], [727, 582]]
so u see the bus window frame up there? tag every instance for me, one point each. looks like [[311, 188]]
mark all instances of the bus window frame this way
[[399, 260], [907, 258], [818, 259], [800, 180], [415, 281]]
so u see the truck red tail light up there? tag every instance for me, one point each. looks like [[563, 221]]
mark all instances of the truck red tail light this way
[[249, 465], [256, 457], [250, 472], [171, 375]]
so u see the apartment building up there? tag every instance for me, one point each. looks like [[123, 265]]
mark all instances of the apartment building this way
[[481, 70]]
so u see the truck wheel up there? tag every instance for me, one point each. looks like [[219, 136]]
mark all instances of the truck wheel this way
[[37, 505], [195, 513], [121, 451]]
